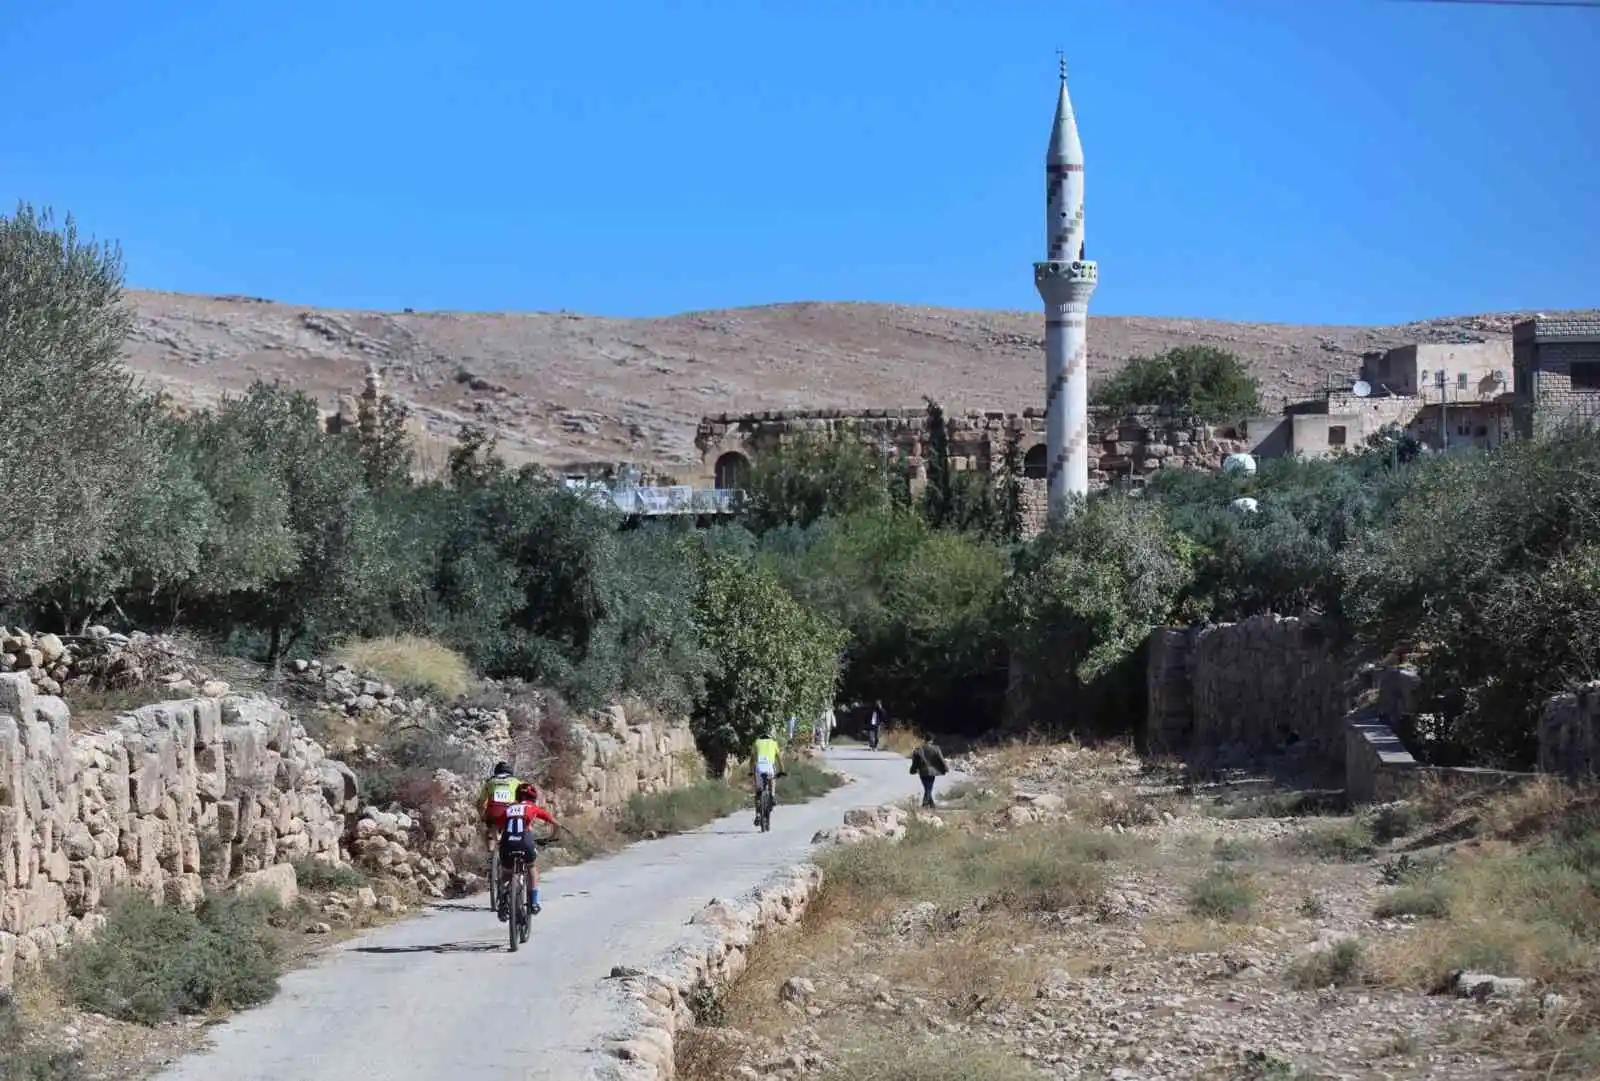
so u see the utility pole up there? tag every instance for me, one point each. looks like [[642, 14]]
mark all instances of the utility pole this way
[[1444, 415]]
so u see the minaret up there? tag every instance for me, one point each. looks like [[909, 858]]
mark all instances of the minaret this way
[[1065, 279]]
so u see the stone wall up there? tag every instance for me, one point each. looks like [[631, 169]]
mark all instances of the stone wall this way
[[1121, 447], [1266, 684], [166, 795], [1569, 734]]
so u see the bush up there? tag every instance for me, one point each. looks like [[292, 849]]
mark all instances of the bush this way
[[325, 876], [1430, 899], [804, 780], [1351, 842], [1225, 893], [1341, 965], [678, 810], [415, 666], [151, 962]]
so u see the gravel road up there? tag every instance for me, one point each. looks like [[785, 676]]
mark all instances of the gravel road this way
[[439, 996]]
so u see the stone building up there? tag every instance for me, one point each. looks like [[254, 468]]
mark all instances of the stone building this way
[[1123, 449], [1556, 364], [1449, 395]]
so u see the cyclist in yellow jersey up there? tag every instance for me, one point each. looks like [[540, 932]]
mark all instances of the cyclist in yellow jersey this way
[[497, 792], [766, 761]]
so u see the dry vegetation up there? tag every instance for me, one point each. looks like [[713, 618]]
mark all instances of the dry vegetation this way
[[1070, 915], [414, 665], [565, 387]]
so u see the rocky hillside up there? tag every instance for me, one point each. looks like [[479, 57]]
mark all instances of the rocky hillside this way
[[566, 387]]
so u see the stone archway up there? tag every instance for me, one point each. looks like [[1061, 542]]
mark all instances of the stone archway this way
[[1035, 464], [731, 471]]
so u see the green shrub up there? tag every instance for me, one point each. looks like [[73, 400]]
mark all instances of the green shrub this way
[[678, 810], [323, 876], [1350, 842], [805, 780], [152, 962], [1225, 893]]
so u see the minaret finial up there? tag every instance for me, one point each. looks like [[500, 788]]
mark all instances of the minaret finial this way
[[1061, 58]]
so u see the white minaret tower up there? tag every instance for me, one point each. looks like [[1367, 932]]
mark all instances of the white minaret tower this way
[[1065, 279]]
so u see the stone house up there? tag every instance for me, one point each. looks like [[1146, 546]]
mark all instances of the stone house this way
[[1556, 364]]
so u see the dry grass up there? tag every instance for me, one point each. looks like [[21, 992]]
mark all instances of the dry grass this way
[[1341, 965], [899, 740], [415, 666], [1046, 867]]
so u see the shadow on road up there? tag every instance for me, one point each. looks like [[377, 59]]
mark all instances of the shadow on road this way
[[438, 947], [458, 906]]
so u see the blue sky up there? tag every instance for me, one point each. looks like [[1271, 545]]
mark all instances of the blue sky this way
[[1338, 161]]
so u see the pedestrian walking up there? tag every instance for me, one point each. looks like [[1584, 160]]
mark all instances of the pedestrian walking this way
[[793, 724], [874, 725], [824, 726], [927, 762]]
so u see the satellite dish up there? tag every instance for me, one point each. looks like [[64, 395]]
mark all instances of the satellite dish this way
[[1361, 389], [1239, 463]]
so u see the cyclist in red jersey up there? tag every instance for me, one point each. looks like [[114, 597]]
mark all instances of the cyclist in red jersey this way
[[515, 837]]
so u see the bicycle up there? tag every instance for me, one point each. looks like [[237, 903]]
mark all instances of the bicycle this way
[[519, 927], [765, 800]]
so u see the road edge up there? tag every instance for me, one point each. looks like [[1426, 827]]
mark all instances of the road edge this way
[[657, 1001]]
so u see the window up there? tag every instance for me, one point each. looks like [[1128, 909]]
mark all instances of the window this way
[[1422, 377], [1482, 432], [1336, 435], [1461, 381], [1585, 374]]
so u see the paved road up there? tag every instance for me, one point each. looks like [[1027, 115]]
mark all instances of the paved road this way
[[439, 996]]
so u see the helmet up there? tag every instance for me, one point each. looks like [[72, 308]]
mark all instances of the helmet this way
[[502, 769], [526, 791]]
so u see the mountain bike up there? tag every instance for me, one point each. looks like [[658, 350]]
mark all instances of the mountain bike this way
[[520, 924], [765, 801]]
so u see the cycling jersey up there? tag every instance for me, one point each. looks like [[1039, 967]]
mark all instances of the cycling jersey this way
[[495, 795], [766, 755], [517, 815]]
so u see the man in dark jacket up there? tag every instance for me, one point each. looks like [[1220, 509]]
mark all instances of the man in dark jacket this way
[[927, 762]]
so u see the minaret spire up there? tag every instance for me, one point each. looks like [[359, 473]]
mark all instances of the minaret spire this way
[[1065, 281]]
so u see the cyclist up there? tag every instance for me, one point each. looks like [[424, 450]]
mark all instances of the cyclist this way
[[497, 793], [515, 837], [766, 760]]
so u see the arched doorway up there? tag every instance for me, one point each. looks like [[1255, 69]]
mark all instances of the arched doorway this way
[[1034, 464], [732, 470]]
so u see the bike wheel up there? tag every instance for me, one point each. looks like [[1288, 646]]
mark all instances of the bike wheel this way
[[519, 912], [494, 879], [766, 809]]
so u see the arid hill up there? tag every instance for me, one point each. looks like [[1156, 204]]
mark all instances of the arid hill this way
[[565, 388]]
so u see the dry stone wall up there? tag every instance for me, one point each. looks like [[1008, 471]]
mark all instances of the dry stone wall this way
[[1266, 684], [167, 797]]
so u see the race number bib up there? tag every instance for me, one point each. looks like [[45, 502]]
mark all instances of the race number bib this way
[[504, 791], [514, 821]]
